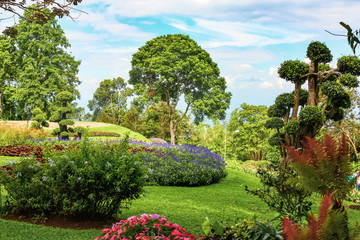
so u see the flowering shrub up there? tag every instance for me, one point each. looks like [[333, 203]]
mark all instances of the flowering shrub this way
[[89, 181], [145, 227], [182, 165]]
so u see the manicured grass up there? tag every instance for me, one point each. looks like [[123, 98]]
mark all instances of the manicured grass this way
[[120, 130], [13, 230], [186, 206]]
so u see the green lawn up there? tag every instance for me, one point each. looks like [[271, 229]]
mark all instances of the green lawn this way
[[186, 206], [120, 130]]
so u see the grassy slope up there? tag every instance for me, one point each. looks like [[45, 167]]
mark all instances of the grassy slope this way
[[120, 130]]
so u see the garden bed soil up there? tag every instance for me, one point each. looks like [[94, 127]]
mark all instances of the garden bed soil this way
[[62, 222]]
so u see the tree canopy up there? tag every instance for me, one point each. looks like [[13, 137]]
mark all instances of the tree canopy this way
[[174, 66]]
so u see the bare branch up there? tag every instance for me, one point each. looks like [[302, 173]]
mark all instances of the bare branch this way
[[334, 34]]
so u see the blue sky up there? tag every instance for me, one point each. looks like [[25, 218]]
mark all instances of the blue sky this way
[[248, 39]]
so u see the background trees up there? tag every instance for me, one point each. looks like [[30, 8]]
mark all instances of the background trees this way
[[248, 136], [326, 98], [109, 101], [175, 66]]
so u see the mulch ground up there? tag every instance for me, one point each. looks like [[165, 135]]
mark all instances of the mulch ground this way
[[63, 222]]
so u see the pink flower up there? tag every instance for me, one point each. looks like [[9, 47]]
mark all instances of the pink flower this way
[[154, 216]]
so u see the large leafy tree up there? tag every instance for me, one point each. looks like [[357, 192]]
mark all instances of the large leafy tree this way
[[326, 98], [44, 67], [109, 100], [175, 66]]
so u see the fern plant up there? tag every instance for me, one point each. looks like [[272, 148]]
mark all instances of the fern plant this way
[[325, 167], [329, 225]]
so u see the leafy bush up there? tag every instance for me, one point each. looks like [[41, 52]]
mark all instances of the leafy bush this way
[[280, 194], [249, 166], [240, 230], [146, 227], [90, 181], [182, 165]]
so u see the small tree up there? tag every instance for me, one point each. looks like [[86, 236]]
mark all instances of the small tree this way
[[39, 119], [62, 108]]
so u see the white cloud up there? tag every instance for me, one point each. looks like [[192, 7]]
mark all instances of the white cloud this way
[[266, 85]]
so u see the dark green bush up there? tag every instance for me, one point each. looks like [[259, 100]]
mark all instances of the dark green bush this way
[[89, 182]]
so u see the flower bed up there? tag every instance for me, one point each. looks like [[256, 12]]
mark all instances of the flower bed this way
[[145, 227], [182, 165]]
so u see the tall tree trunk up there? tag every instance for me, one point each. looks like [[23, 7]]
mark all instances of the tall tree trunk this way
[[296, 99], [172, 130], [312, 85]]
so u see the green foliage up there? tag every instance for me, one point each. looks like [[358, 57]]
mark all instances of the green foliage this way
[[292, 127], [274, 123], [293, 71], [55, 131], [240, 230], [349, 64], [169, 67], [248, 134], [336, 93], [318, 52], [39, 119], [277, 111], [349, 80], [280, 194], [89, 182], [312, 115], [265, 231], [67, 122], [212, 229]]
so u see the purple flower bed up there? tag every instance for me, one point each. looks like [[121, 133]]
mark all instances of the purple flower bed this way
[[182, 165]]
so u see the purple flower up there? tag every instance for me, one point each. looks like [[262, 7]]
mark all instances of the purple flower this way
[[154, 216]]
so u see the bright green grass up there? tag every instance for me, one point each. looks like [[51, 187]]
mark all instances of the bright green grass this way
[[120, 130], [185, 206]]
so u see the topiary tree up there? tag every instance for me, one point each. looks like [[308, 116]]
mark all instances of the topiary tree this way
[[39, 119], [62, 108], [303, 112]]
